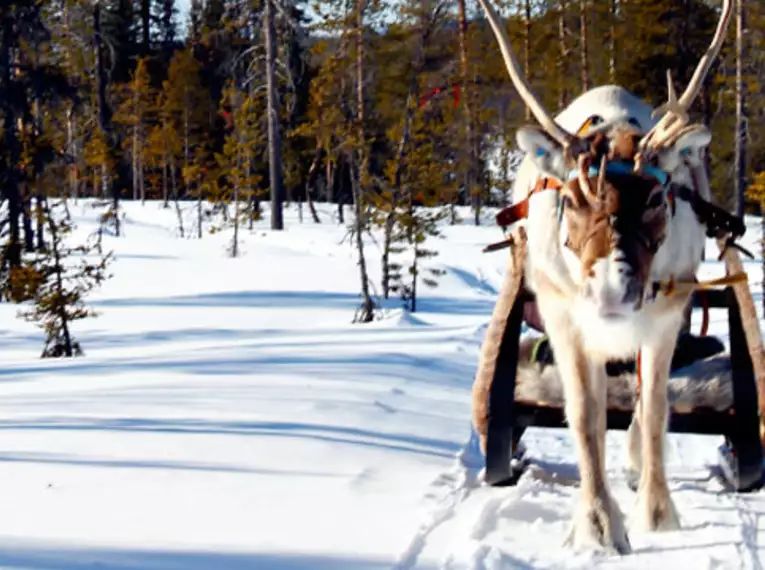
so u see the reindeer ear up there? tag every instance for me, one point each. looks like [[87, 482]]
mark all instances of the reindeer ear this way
[[545, 152], [689, 147]]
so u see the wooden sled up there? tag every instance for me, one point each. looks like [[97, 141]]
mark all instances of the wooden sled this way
[[717, 395]]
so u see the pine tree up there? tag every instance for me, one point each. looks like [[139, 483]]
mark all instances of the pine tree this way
[[195, 19], [106, 141], [166, 16], [58, 288], [237, 158], [187, 107], [72, 30], [423, 186], [136, 112], [119, 27], [26, 82], [164, 152], [427, 17]]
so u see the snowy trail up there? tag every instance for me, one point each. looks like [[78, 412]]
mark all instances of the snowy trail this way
[[523, 526], [227, 415]]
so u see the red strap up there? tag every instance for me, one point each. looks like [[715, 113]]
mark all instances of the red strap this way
[[511, 214]]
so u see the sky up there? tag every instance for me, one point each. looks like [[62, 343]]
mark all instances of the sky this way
[[183, 8]]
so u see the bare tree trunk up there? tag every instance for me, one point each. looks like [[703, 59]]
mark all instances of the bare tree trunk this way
[[165, 193], [70, 148], [142, 174], [38, 186], [414, 268], [583, 53], [145, 26], [360, 97], [174, 182], [741, 118], [359, 172], [313, 171], [71, 122], [469, 143], [366, 311], [26, 219], [235, 244], [199, 215], [274, 142], [134, 162], [612, 41], [330, 178], [390, 218], [527, 46], [104, 116], [186, 136], [563, 56], [237, 179]]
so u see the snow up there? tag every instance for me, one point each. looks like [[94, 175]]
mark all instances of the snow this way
[[228, 415]]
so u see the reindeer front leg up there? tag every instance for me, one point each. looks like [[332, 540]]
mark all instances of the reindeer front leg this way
[[597, 520], [655, 509]]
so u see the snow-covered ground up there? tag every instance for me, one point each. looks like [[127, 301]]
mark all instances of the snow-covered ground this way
[[227, 415]]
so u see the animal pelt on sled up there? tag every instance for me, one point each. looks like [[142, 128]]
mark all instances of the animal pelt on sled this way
[[608, 235]]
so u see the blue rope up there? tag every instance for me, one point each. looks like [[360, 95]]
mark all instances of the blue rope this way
[[622, 168]]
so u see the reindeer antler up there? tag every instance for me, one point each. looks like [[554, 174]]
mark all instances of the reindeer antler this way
[[573, 145], [675, 111]]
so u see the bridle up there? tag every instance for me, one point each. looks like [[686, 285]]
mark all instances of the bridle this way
[[600, 218]]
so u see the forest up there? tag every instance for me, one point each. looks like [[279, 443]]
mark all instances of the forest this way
[[378, 106]]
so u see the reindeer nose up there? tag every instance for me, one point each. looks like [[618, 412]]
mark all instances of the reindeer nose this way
[[633, 293]]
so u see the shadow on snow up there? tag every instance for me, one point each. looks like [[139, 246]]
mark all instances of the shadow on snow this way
[[42, 557], [326, 433]]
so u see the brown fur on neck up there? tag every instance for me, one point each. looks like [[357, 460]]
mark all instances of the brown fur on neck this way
[[621, 219]]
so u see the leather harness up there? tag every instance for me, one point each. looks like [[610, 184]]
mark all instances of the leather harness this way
[[715, 218]]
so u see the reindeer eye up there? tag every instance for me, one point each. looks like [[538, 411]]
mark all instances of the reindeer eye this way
[[655, 200]]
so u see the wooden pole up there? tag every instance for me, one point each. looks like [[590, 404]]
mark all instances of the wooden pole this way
[[750, 323]]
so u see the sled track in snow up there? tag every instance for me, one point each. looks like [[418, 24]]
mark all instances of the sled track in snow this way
[[470, 526], [749, 520], [447, 491]]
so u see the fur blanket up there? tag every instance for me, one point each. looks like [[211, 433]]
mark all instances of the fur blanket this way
[[703, 384]]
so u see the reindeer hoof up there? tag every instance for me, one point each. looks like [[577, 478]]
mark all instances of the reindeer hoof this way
[[654, 511], [599, 526]]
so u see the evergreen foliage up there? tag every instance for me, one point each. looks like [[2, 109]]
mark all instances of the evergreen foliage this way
[[130, 100]]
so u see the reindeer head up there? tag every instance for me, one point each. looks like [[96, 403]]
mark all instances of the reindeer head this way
[[615, 199], [613, 218]]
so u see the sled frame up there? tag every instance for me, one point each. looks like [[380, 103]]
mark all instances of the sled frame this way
[[742, 450]]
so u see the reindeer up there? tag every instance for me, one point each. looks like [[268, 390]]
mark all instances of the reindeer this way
[[610, 227]]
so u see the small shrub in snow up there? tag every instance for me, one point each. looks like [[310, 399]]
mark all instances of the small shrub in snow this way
[[56, 280]]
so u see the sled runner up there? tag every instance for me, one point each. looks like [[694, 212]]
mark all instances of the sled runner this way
[[711, 390]]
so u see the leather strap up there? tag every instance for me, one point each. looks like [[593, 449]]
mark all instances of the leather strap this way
[[511, 214]]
